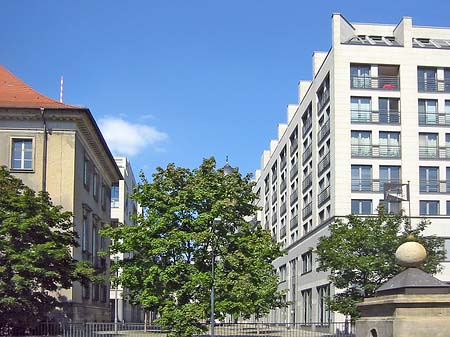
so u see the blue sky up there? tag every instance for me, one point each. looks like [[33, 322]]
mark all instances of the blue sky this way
[[178, 81]]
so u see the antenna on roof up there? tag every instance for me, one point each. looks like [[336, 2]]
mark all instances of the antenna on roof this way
[[61, 91]]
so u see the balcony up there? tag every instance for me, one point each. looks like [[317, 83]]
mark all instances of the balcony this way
[[375, 117], [307, 182], [307, 211], [323, 132], [294, 222], [294, 171], [434, 152], [434, 186], [283, 209], [434, 118], [372, 185], [307, 154], [323, 99], [294, 197], [307, 125], [274, 196], [376, 151], [267, 206], [391, 83], [433, 85], [294, 145], [323, 196], [267, 187], [274, 177], [282, 164], [323, 164]]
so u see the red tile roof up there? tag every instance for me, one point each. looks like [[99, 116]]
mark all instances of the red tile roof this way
[[14, 93]]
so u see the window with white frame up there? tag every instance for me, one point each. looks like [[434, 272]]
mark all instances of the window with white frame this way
[[22, 154], [429, 207], [307, 262]]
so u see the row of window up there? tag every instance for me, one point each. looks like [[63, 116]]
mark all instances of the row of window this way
[[95, 292], [427, 207]]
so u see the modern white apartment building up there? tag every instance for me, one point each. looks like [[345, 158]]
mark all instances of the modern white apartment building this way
[[376, 111], [123, 208]]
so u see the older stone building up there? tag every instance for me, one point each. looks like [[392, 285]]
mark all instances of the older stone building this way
[[59, 148]]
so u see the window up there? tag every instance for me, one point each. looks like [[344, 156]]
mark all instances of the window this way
[[22, 154], [85, 231], [361, 143], [86, 173], [389, 110], [307, 306], [391, 207], [360, 76], [86, 291], [428, 112], [103, 196], [429, 207], [323, 293], [307, 262], [428, 145], [360, 206], [115, 196], [103, 293], [389, 144], [428, 179], [95, 185], [426, 79], [283, 273], [448, 208], [361, 109], [361, 178], [389, 174]]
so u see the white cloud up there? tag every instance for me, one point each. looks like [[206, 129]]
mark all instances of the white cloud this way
[[125, 138]]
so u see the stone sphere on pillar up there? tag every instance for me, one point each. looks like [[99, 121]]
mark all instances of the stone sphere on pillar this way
[[410, 254]]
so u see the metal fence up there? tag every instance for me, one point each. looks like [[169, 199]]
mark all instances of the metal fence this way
[[334, 329]]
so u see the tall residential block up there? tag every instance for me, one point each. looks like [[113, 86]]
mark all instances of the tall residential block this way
[[59, 148], [375, 114]]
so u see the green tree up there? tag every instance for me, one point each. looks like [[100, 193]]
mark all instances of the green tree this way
[[35, 257], [191, 216], [359, 254]]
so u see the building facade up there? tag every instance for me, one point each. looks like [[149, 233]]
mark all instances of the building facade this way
[[59, 148], [377, 111], [123, 211]]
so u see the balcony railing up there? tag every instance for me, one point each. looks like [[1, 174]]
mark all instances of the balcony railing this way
[[323, 196], [267, 206], [372, 185], [307, 211], [381, 82], [376, 151], [434, 118], [294, 171], [323, 99], [294, 222], [294, 197], [267, 187], [434, 152], [274, 177], [323, 164], [307, 124], [323, 132], [283, 209], [433, 85], [307, 154], [283, 164], [274, 196], [307, 182], [294, 145], [434, 186], [375, 117]]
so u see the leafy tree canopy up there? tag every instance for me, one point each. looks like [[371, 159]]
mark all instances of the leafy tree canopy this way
[[359, 254], [191, 216], [35, 257]]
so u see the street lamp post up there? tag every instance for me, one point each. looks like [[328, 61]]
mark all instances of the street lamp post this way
[[116, 298], [227, 169]]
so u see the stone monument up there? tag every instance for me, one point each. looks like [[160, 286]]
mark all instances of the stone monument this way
[[411, 304]]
